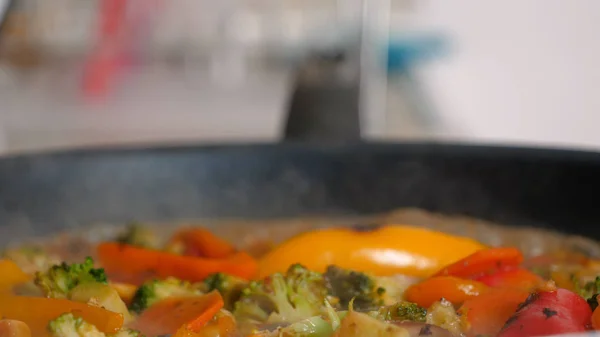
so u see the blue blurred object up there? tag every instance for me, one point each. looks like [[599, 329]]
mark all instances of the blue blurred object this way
[[404, 52]]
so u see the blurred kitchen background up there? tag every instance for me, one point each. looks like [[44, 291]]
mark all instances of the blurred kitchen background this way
[[103, 72]]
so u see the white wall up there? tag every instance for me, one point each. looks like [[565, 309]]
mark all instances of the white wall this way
[[522, 70]]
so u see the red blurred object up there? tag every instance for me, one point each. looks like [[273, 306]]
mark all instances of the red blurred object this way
[[122, 24], [103, 64], [112, 17]]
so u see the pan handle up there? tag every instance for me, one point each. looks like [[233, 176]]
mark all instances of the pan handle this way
[[324, 105]]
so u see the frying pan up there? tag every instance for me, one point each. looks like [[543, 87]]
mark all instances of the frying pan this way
[[47, 192]]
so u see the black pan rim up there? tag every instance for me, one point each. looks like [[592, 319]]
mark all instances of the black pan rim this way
[[529, 152]]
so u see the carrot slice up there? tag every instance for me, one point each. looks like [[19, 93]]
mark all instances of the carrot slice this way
[[453, 289], [37, 312], [511, 277], [125, 263], [169, 315], [201, 242], [487, 313], [596, 319], [482, 262], [12, 275], [14, 328]]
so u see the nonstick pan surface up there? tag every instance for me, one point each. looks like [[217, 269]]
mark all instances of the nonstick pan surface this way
[[50, 192]]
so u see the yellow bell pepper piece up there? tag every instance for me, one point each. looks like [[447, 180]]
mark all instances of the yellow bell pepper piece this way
[[12, 275], [383, 251]]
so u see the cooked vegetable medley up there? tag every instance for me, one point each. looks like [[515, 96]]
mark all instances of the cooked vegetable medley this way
[[337, 282]]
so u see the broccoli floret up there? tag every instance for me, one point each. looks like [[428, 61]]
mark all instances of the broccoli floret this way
[[349, 285], [139, 235], [297, 295], [59, 279], [67, 325], [156, 290], [403, 311], [229, 286]]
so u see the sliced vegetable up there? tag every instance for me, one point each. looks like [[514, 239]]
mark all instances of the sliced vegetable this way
[[12, 275], [357, 324], [13, 328], [596, 319], [487, 313], [442, 314], [134, 265], [511, 277], [453, 289], [101, 295], [168, 316], [37, 312], [549, 313], [125, 290], [200, 242], [222, 325], [483, 262], [385, 250]]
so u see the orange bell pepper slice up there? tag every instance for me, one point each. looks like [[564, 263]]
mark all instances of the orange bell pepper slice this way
[[125, 263], [512, 277], [37, 312], [170, 315], [453, 289], [11, 275], [482, 262], [487, 313], [201, 242], [385, 250]]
